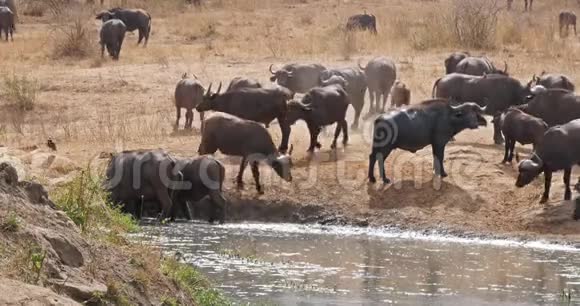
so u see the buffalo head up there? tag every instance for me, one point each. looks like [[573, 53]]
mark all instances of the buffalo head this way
[[335, 80], [467, 115], [282, 76], [297, 110], [282, 165], [105, 16], [452, 60], [208, 99], [529, 169]]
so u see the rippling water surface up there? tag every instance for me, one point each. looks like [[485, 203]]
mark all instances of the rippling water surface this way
[[288, 264]]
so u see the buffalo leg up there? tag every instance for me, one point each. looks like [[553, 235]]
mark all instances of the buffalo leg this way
[[141, 35], [240, 178], [178, 113], [188, 119], [568, 192], [380, 156], [438, 155], [574, 25], [336, 134], [497, 138], [201, 118], [507, 149], [164, 199], [357, 111], [285, 129], [256, 174], [512, 149], [344, 132], [372, 106], [102, 50], [384, 97], [547, 183], [577, 210], [219, 204]]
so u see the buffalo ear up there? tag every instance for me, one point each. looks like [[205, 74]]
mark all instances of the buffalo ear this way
[[273, 78]]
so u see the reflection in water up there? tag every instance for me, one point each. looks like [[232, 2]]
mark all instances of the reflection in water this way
[[290, 264]]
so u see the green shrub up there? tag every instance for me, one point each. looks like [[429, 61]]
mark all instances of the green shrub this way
[[11, 223], [87, 204]]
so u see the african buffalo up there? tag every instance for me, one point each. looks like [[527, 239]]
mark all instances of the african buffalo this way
[[7, 22], [188, 94], [497, 92], [356, 87], [553, 80], [134, 177], [432, 122], [112, 36], [239, 82], [299, 78], [565, 20], [257, 104], [554, 106], [362, 22], [11, 4], [134, 19], [381, 73], [320, 107], [558, 150], [452, 60], [250, 140], [521, 127], [401, 94]]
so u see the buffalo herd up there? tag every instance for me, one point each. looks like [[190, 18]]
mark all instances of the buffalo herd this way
[[544, 112]]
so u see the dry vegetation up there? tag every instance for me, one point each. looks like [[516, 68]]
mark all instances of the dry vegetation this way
[[89, 105]]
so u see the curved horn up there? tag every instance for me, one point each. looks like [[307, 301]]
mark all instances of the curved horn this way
[[505, 69], [359, 65], [208, 89], [195, 76], [219, 88], [272, 72], [482, 109], [184, 76]]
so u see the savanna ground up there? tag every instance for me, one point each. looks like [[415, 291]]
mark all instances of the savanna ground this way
[[89, 105]]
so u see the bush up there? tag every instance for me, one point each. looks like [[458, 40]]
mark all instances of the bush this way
[[20, 91], [475, 22], [73, 39], [86, 203]]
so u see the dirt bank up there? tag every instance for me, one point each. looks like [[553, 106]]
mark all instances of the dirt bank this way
[[42, 247]]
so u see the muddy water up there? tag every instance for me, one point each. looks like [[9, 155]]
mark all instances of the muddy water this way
[[287, 264]]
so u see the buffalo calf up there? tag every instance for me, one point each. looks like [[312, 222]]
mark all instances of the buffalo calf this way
[[112, 36], [521, 127], [565, 20], [188, 94], [401, 94]]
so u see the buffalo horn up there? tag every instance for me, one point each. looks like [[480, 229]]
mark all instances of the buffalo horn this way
[[360, 66], [272, 72], [219, 88], [505, 69], [208, 89]]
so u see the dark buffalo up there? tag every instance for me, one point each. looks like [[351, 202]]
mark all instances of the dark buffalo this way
[[401, 94], [356, 87], [261, 105], [188, 94], [299, 78], [565, 20], [381, 73], [11, 4], [433, 122], [250, 140], [497, 92], [364, 22], [553, 80], [7, 23], [134, 177], [320, 107], [554, 106], [240, 82], [134, 19], [559, 150], [521, 127], [112, 36], [509, 4], [452, 60]]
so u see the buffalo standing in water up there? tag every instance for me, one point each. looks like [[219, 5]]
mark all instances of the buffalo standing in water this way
[[432, 122]]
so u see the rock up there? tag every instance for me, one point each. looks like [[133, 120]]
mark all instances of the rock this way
[[18, 293], [79, 292], [8, 174], [36, 193], [67, 251]]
